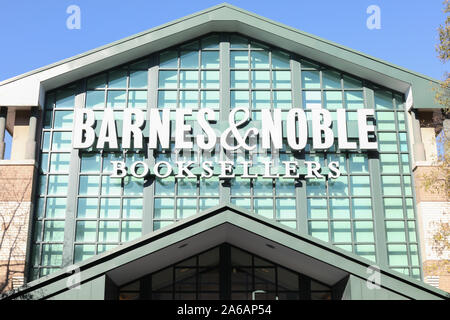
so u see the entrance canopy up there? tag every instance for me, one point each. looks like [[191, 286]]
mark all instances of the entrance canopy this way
[[101, 275]]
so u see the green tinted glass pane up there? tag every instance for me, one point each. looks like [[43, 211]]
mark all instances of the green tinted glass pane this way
[[89, 185], [97, 82], [387, 141], [414, 255], [405, 163], [383, 100], [116, 99], [210, 79], [395, 231], [341, 231], [210, 59], [210, 99], [65, 98], [188, 99], [401, 121], [262, 187], [118, 78], [161, 224], [310, 79], [285, 187], [211, 42], [363, 231], [95, 99], [317, 208], [360, 185], [280, 60], [83, 252], [350, 82], [168, 59], [167, 99], [133, 186], [87, 207], [187, 186], [86, 231], [107, 158], [43, 184], [331, 80], [206, 203], [164, 208], [138, 79], [164, 187], [332, 100], [209, 187], [46, 141], [188, 79], [108, 231], [403, 142], [397, 255], [317, 187], [40, 208], [354, 100], [186, 207], [132, 208], [285, 209], [63, 119], [409, 209], [242, 202], [105, 247], [391, 186], [312, 99], [346, 247], [238, 42], [60, 162], [259, 59], [385, 120], [281, 79], [62, 141], [48, 116], [57, 185], [389, 163], [366, 250], [362, 208], [260, 99], [318, 229], [338, 186], [264, 207], [290, 224], [52, 254], [393, 208], [189, 59], [260, 79], [111, 186], [358, 163], [90, 162], [282, 100], [240, 187], [412, 231], [109, 208], [239, 59], [56, 208], [37, 232], [407, 185], [339, 208], [54, 231], [137, 99], [131, 230], [168, 79]]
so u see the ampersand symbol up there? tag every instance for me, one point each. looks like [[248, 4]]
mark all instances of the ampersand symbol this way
[[233, 128]]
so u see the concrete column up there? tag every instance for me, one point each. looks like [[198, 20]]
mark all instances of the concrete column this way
[[30, 150], [3, 113], [418, 147]]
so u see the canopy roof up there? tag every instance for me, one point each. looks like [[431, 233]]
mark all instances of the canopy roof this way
[[229, 224], [220, 18]]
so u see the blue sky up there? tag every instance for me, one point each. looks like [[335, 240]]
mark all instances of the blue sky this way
[[34, 33]]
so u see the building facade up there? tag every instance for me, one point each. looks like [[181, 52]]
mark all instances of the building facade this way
[[189, 221]]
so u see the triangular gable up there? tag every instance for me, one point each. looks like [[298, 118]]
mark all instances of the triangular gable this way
[[220, 18], [230, 224]]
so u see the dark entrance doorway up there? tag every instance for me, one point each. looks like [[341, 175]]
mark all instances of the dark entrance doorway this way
[[225, 272]]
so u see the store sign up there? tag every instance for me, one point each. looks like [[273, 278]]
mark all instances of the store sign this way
[[237, 137]]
